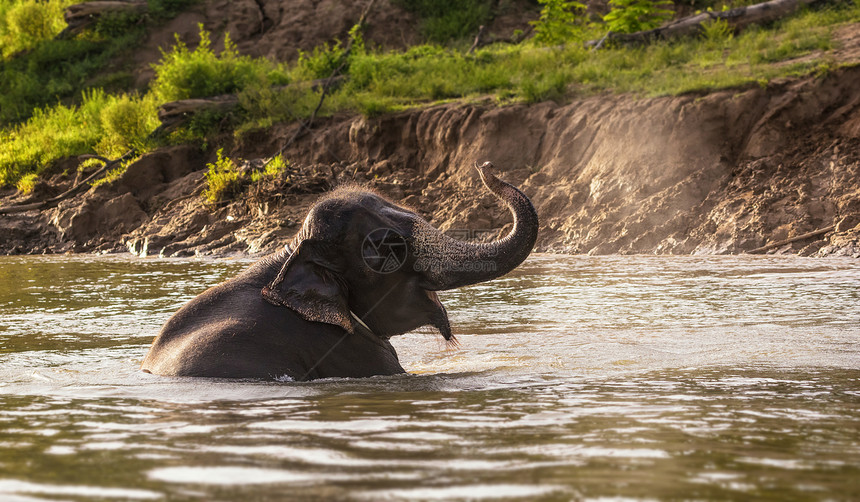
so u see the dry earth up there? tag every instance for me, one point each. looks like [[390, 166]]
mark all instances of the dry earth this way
[[726, 172]]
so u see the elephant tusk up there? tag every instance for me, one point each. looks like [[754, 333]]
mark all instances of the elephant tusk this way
[[360, 322]]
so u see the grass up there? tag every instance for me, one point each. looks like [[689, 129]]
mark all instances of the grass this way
[[382, 82], [104, 124], [445, 21], [37, 70]]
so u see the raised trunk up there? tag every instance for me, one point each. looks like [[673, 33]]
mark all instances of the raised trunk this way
[[449, 263]]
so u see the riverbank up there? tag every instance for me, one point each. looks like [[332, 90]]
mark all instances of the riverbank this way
[[721, 173]]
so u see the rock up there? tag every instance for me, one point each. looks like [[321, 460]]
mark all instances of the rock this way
[[847, 223], [150, 174], [97, 217]]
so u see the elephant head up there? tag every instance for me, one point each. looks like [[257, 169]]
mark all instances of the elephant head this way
[[366, 264]]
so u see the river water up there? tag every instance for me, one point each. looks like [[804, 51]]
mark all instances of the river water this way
[[577, 378]]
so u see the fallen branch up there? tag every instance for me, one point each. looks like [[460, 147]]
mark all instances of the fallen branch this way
[[481, 42], [46, 204], [80, 16], [737, 19], [176, 113], [802, 237]]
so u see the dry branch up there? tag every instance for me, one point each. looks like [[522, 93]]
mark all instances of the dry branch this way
[[78, 188], [481, 42], [737, 19], [175, 113], [802, 237], [80, 16]]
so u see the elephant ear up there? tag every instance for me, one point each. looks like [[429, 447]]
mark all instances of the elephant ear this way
[[307, 283]]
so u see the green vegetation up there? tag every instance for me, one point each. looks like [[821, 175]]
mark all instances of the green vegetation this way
[[104, 124], [184, 74], [27, 183], [26, 23], [630, 16], [553, 65], [37, 70], [225, 180], [559, 21], [444, 21]]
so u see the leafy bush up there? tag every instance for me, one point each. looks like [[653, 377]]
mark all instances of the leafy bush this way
[[716, 33], [25, 23], [264, 105], [126, 123], [630, 16], [557, 22], [184, 74], [113, 24], [274, 167], [322, 61], [53, 70], [223, 180], [27, 183], [102, 123], [51, 133]]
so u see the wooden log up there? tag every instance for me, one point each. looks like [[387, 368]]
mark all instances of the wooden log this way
[[802, 237], [80, 16], [480, 41], [737, 19], [175, 113]]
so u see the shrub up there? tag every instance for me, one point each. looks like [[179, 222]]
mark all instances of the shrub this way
[[27, 183], [630, 16], [223, 180], [263, 104], [274, 167], [716, 33], [25, 23], [557, 22], [184, 74], [103, 124], [322, 61], [126, 122], [115, 24], [52, 70]]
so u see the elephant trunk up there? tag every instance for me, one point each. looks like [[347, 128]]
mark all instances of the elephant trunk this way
[[449, 263]]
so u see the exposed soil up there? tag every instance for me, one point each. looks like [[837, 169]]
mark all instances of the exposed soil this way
[[726, 172]]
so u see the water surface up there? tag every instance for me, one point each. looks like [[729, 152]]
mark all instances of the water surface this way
[[577, 378]]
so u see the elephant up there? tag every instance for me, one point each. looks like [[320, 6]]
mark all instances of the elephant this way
[[360, 270]]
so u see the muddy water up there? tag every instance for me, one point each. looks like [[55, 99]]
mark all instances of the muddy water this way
[[576, 378]]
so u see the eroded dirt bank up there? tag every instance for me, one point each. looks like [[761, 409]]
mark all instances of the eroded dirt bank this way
[[727, 172]]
